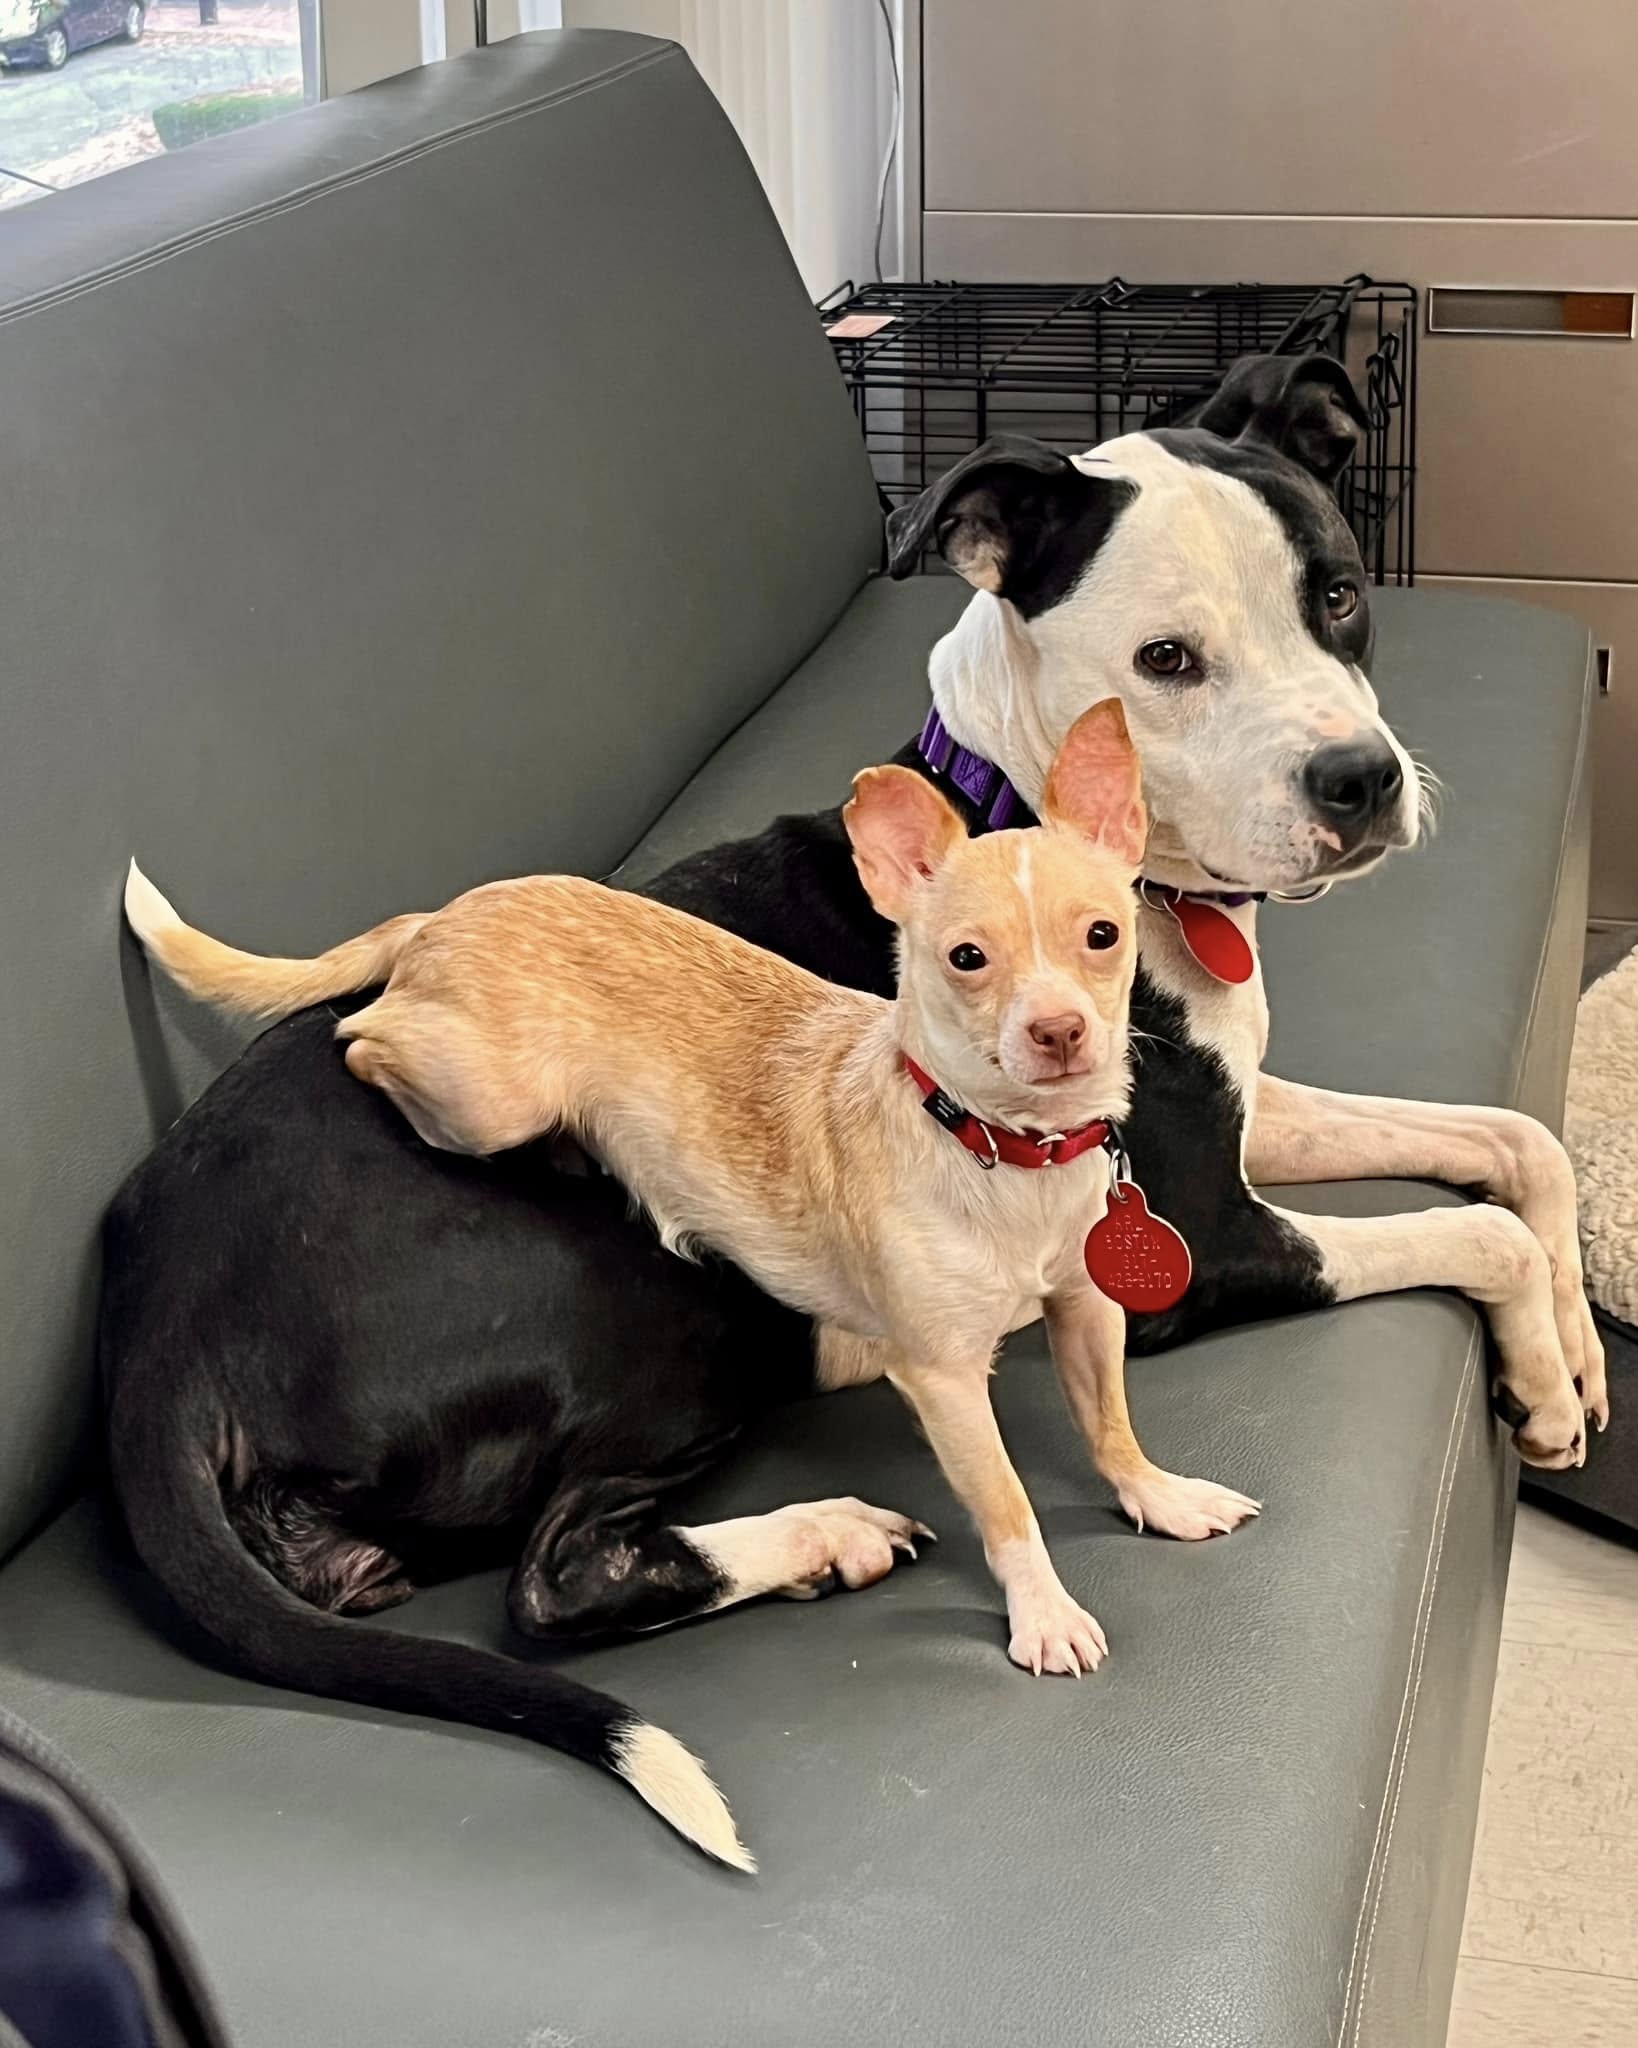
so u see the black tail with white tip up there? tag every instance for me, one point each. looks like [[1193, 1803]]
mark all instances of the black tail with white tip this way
[[178, 1520]]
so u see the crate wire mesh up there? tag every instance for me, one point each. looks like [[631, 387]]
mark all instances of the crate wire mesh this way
[[933, 369]]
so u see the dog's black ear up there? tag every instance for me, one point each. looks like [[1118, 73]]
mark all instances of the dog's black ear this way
[[1014, 517], [1305, 406]]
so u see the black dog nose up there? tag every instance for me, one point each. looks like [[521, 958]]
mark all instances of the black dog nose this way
[[1352, 783]]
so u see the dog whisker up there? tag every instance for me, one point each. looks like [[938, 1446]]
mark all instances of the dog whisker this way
[[1430, 788]]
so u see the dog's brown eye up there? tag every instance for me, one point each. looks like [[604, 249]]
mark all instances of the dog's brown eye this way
[[967, 959], [1342, 600], [1103, 935], [1166, 658]]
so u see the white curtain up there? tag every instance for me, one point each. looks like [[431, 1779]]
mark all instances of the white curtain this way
[[809, 87]]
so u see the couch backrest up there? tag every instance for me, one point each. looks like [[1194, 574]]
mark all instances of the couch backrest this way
[[410, 491]]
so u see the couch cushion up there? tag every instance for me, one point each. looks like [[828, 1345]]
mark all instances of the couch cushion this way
[[1250, 1829], [1179, 1850], [407, 492]]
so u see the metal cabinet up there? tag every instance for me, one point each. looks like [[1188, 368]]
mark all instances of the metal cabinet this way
[[1408, 108]]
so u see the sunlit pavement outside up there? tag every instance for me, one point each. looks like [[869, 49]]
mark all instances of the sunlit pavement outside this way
[[97, 112]]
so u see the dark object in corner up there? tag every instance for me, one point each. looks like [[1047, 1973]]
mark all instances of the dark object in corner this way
[[1603, 1494], [90, 1951]]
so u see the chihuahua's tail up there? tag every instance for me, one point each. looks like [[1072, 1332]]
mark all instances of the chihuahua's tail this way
[[250, 983], [179, 1520]]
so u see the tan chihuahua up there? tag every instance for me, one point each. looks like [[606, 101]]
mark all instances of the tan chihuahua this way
[[780, 1120]]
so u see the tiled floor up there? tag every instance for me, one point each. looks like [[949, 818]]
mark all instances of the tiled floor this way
[[1550, 1948]]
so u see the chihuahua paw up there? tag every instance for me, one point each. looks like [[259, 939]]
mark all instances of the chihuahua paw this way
[[1050, 1632], [1190, 1509]]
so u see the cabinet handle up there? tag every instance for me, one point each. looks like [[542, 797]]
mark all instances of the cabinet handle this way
[[1524, 310]]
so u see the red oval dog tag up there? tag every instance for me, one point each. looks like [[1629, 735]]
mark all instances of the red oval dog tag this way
[[1135, 1258], [1214, 939]]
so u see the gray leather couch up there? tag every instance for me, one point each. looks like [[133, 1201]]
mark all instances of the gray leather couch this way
[[452, 481]]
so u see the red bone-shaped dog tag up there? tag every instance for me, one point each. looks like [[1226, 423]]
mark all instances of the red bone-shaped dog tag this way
[[1135, 1258]]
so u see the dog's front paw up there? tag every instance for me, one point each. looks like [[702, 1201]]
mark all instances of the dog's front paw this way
[[1190, 1509], [1552, 1434], [1539, 1185], [1590, 1382], [1051, 1632], [1578, 1335]]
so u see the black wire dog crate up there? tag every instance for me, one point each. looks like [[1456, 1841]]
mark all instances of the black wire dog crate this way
[[934, 369]]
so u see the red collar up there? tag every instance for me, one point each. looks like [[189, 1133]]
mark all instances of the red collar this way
[[994, 1144]]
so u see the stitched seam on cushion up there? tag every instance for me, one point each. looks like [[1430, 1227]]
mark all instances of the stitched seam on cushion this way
[[1412, 1679], [1558, 878], [1404, 1765], [340, 181]]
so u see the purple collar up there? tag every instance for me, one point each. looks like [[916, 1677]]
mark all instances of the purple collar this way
[[983, 784], [980, 781]]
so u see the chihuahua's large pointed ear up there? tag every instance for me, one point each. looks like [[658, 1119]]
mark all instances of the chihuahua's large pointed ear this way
[[1014, 517], [902, 832], [1095, 785], [1304, 406]]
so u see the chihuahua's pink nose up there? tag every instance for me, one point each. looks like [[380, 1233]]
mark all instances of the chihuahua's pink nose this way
[[1061, 1035]]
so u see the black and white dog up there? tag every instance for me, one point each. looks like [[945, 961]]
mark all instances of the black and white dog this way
[[338, 1363]]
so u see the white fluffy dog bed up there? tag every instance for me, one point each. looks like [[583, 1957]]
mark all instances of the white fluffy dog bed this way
[[1601, 1134]]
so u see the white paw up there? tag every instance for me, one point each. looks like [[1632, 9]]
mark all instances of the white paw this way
[[1190, 1509], [1552, 1434], [1543, 1192], [1051, 1632], [846, 1542], [1594, 1389], [1578, 1336]]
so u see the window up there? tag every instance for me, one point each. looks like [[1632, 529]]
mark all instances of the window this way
[[89, 85]]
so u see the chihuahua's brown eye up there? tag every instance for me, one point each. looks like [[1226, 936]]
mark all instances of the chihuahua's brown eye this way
[[967, 959], [1342, 600], [1168, 658], [1103, 935]]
